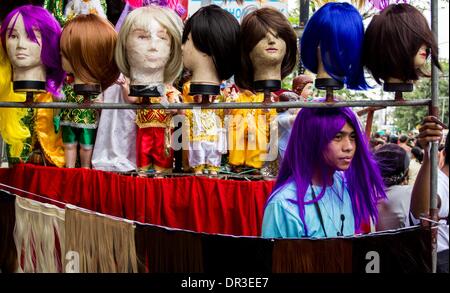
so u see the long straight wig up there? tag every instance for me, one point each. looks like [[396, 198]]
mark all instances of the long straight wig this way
[[313, 130], [37, 18], [337, 28]]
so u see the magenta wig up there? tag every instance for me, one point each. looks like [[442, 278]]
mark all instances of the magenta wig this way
[[313, 130], [37, 18]]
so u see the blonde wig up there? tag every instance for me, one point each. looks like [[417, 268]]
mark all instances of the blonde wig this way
[[39, 236], [88, 43], [104, 245], [13, 131], [140, 19]]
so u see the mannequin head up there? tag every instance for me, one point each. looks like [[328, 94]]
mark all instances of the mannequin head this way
[[87, 49], [331, 44], [397, 44], [30, 36], [211, 45], [149, 46], [269, 51]]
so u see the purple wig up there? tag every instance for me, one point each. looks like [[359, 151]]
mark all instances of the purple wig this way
[[37, 18], [313, 130]]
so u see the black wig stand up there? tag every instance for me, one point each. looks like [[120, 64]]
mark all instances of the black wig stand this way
[[267, 86], [205, 90], [398, 88], [29, 87], [329, 85]]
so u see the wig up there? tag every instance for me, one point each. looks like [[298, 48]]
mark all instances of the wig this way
[[88, 43], [117, 252], [215, 32], [35, 17], [393, 162], [141, 18], [39, 236], [337, 28], [313, 130], [382, 4], [13, 131], [255, 27], [358, 3], [393, 39]]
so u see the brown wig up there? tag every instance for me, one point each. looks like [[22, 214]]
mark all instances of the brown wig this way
[[254, 27], [392, 41], [88, 43]]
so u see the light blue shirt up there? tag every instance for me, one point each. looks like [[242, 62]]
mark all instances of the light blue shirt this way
[[282, 218]]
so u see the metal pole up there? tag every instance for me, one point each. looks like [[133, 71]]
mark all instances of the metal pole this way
[[434, 110], [178, 106]]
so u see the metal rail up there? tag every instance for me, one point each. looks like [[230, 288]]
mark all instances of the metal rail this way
[[179, 106]]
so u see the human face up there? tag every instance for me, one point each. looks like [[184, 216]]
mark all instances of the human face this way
[[421, 57], [269, 51], [23, 53], [341, 149], [148, 49]]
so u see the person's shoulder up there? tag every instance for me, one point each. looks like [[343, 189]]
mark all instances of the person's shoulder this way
[[284, 193]]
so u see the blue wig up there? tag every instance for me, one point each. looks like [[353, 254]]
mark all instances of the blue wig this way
[[313, 130], [338, 29]]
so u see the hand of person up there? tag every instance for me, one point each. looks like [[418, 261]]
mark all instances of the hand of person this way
[[430, 131]]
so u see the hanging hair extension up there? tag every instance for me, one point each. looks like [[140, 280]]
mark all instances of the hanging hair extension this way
[[39, 236], [104, 245], [337, 28], [12, 129], [8, 252]]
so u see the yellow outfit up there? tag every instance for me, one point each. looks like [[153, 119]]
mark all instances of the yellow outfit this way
[[248, 135], [51, 142]]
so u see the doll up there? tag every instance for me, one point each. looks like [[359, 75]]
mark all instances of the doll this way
[[211, 53], [148, 52], [87, 47], [77, 7]]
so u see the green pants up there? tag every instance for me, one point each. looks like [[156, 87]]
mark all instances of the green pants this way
[[72, 135]]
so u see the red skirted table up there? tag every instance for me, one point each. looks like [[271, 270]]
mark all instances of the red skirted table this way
[[193, 202]]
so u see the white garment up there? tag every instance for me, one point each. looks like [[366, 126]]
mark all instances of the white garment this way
[[414, 167], [393, 212], [442, 191], [204, 153], [115, 145]]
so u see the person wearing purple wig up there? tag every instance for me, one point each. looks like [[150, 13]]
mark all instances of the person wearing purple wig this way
[[328, 184], [42, 29]]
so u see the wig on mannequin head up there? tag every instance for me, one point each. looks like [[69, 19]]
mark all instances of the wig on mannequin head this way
[[12, 129], [313, 130], [215, 32], [254, 27], [338, 30], [141, 18], [37, 18], [88, 42], [392, 41]]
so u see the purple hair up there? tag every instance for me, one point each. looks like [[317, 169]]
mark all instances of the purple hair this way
[[37, 18], [313, 130]]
